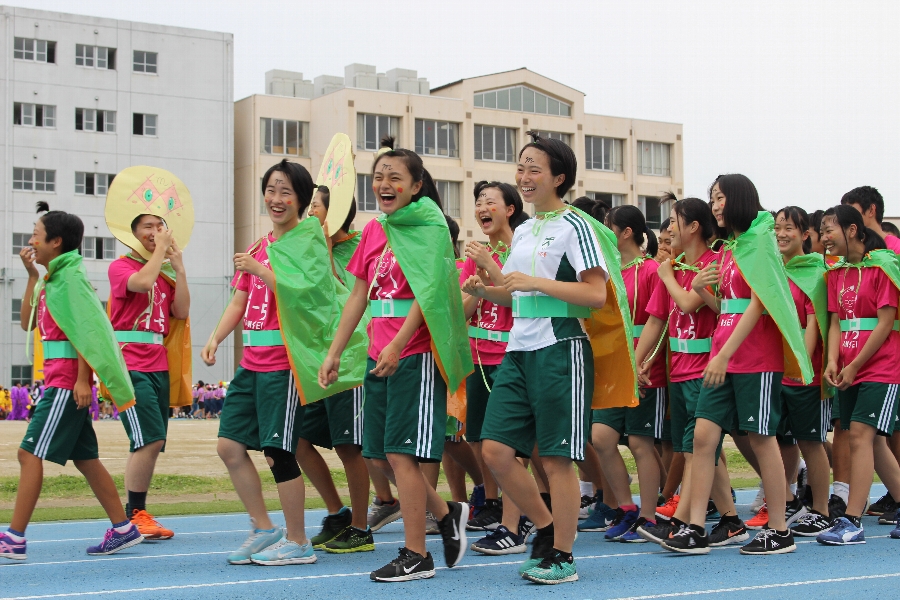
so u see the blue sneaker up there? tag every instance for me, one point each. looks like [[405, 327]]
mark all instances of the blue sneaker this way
[[255, 542], [476, 501], [600, 520], [620, 528], [842, 533], [114, 541], [632, 536], [11, 549], [895, 532], [285, 552], [499, 542]]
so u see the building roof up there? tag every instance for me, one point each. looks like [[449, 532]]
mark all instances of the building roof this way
[[457, 82]]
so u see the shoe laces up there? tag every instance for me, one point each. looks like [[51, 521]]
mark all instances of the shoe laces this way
[[764, 534], [405, 556], [142, 517], [254, 535], [108, 535], [673, 501]]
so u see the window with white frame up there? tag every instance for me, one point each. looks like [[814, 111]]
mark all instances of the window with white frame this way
[[279, 136], [36, 50], [90, 119], [602, 153], [495, 143], [34, 180], [653, 158], [522, 99], [96, 57], [34, 115], [99, 248], [143, 124], [371, 128], [16, 312], [566, 138], [22, 374], [437, 138], [612, 200], [144, 62], [653, 210], [449, 192], [19, 241], [92, 184], [365, 197]]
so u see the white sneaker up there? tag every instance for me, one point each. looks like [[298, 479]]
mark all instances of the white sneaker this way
[[760, 499]]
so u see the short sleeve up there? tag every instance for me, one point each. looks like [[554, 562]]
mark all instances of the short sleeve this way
[[357, 264], [808, 306], [468, 269], [885, 291], [582, 247], [658, 305], [119, 272]]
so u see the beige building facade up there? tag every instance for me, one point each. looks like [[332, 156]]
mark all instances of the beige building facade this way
[[466, 131]]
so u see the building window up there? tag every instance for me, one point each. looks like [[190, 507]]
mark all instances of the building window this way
[[612, 200], [522, 99], [437, 138], [278, 136], [100, 248], [92, 184], [566, 138], [603, 154], [144, 62], [89, 119], [16, 309], [34, 115], [34, 180], [653, 211], [365, 197], [19, 240], [95, 56], [22, 374], [36, 50], [653, 158], [495, 143], [371, 128], [449, 192], [144, 124]]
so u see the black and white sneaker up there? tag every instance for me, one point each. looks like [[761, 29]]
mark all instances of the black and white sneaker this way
[[769, 541], [453, 532], [688, 540], [811, 524], [526, 528], [728, 532], [885, 504], [659, 532], [793, 510], [500, 541], [488, 518], [837, 508], [406, 567]]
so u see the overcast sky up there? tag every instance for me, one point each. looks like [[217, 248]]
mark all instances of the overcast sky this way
[[802, 97]]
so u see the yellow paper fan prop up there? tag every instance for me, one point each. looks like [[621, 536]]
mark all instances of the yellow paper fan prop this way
[[338, 173]]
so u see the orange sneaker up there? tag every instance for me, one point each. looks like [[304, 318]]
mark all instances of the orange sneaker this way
[[760, 520], [150, 527], [667, 510]]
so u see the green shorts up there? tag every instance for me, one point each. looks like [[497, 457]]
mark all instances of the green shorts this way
[[334, 421], [752, 399], [683, 396], [543, 396], [148, 420], [804, 414], [477, 399], [74, 440], [261, 410], [415, 397], [646, 419], [871, 403]]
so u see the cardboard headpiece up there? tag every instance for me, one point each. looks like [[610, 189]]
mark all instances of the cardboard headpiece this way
[[146, 190], [339, 174]]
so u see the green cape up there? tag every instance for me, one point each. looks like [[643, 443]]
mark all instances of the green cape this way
[[75, 307], [341, 254], [757, 256], [807, 271], [420, 240], [886, 260], [309, 301]]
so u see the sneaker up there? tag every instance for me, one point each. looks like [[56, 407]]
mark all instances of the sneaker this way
[[332, 526], [500, 541], [807, 496], [406, 567], [843, 532], [10, 549], [661, 501], [285, 552], [526, 528], [351, 539], [667, 510], [889, 518], [541, 548], [149, 527], [760, 520], [837, 508], [488, 518], [476, 501], [600, 520], [728, 532], [687, 540], [114, 541], [632, 536], [553, 570], [811, 524], [759, 500], [712, 513], [622, 525], [256, 541], [794, 510], [585, 511], [885, 504], [769, 541], [380, 514], [453, 531], [657, 533], [895, 532], [431, 524]]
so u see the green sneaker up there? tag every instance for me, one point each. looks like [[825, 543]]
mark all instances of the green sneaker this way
[[332, 525], [552, 571], [541, 549], [351, 539]]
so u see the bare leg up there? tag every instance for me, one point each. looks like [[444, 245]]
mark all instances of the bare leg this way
[[706, 442], [140, 465], [721, 491], [746, 448], [416, 494], [818, 473], [606, 441], [683, 512], [645, 457], [566, 500], [790, 456], [895, 446], [515, 481], [862, 440], [840, 454], [593, 471], [357, 481], [245, 480], [886, 465], [432, 472], [540, 475], [316, 470], [675, 475], [455, 475], [766, 449], [31, 479], [379, 481], [103, 487], [668, 453], [491, 490]]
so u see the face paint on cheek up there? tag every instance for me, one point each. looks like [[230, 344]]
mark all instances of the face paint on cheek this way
[[399, 190], [290, 202]]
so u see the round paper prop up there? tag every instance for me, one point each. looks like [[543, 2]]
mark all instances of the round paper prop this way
[[339, 174], [149, 191]]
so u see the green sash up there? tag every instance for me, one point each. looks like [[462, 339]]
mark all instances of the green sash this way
[[341, 254], [807, 271]]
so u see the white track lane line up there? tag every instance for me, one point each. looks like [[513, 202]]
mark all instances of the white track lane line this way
[[180, 534]]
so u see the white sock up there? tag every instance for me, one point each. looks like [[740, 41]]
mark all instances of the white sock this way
[[802, 466], [124, 528], [587, 488], [16, 538], [842, 490], [793, 488]]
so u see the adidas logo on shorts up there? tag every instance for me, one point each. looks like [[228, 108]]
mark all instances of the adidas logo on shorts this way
[[31, 439], [872, 416], [346, 432], [275, 436], [750, 420], [408, 442], [648, 425], [564, 443]]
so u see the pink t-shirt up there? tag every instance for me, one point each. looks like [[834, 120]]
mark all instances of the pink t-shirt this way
[[127, 308], [805, 308], [892, 243], [845, 299], [493, 316], [389, 283], [762, 350], [646, 279], [60, 373], [685, 326], [260, 315]]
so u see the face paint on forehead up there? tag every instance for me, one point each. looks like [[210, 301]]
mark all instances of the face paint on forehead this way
[[386, 167], [528, 159]]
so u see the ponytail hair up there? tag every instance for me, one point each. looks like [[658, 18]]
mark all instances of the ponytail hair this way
[[59, 224], [596, 208], [628, 216], [511, 197], [846, 216], [695, 210], [415, 167], [800, 219]]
